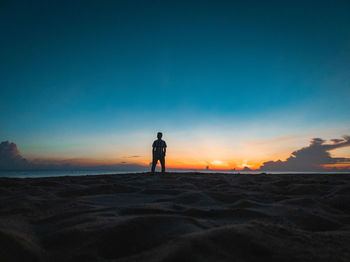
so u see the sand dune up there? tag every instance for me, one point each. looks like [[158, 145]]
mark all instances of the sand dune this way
[[176, 217]]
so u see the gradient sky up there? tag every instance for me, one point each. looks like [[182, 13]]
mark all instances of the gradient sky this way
[[229, 84]]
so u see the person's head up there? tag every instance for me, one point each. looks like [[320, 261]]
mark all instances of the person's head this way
[[159, 135]]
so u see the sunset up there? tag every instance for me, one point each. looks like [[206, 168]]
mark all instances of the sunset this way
[[222, 82], [174, 130]]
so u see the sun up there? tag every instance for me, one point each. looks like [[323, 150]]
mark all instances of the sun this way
[[216, 162]]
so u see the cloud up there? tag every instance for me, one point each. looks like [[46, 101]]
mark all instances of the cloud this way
[[336, 140], [310, 158], [10, 157]]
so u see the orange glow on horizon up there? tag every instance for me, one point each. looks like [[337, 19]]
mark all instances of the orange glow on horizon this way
[[338, 166], [212, 165], [173, 163], [203, 151]]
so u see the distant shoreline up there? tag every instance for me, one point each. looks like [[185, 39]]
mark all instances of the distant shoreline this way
[[57, 174]]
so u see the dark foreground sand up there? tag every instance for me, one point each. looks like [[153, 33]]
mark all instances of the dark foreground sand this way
[[176, 217]]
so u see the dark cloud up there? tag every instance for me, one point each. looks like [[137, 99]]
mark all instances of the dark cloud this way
[[118, 167], [10, 158], [310, 158], [336, 140]]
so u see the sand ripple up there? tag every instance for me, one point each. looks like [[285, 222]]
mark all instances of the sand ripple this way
[[176, 217]]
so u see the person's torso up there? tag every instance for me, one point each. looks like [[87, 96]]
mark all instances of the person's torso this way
[[159, 146]]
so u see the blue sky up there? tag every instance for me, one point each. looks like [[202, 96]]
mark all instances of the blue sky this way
[[82, 75]]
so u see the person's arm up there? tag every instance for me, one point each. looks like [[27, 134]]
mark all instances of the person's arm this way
[[164, 148], [153, 147]]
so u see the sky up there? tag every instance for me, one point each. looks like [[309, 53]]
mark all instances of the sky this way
[[231, 84]]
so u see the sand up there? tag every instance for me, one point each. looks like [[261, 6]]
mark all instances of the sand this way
[[176, 217]]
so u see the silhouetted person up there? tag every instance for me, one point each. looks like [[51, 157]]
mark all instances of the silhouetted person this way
[[158, 151]]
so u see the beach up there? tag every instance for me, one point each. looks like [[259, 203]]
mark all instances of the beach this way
[[176, 217]]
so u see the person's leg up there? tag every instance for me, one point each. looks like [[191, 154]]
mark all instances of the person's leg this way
[[162, 162], [154, 163]]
